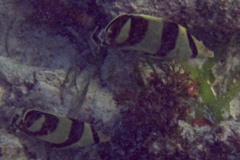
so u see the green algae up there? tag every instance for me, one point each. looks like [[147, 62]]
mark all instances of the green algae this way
[[217, 105], [204, 77]]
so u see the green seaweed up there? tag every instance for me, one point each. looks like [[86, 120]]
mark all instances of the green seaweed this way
[[220, 105], [204, 76]]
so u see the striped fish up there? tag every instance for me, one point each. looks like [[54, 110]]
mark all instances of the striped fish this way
[[59, 131], [152, 35]]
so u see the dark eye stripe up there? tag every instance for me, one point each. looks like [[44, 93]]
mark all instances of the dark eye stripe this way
[[49, 125], [138, 29], [115, 26], [192, 46], [169, 38], [31, 117]]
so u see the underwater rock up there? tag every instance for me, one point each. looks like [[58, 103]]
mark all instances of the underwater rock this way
[[31, 86], [235, 108], [51, 90], [10, 147], [210, 141]]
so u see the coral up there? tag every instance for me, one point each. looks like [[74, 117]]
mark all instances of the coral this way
[[155, 108]]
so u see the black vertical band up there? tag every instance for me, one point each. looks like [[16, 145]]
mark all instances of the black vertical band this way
[[169, 38], [95, 135], [192, 46]]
